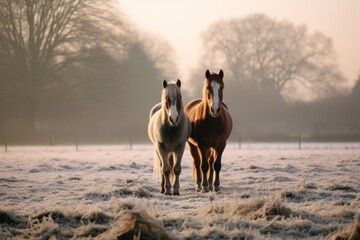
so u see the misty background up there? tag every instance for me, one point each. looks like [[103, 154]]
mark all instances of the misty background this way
[[82, 69]]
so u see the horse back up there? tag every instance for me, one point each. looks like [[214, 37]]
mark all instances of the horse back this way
[[227, 120], [225, 106], [154, 109], [192, 104]]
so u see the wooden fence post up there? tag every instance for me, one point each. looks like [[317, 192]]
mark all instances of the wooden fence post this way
[[239, 141], [51, 141]]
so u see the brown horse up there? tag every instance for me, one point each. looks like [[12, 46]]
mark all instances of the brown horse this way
[[211, 127]]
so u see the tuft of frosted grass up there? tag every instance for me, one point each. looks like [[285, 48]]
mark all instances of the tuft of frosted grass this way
[[133, 222], [350, 232], [226, 219]]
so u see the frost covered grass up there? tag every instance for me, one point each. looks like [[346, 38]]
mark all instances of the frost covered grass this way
[[109, 192]]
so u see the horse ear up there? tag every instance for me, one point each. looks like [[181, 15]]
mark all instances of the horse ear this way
[[221, 73], [164, 84], [207, 74], [178, 82]]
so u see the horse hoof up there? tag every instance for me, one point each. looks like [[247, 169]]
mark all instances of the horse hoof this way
[[176, 194], [205, 190], [162, 191], [217, 189]]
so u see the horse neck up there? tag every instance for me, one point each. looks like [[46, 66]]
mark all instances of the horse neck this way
[[163, 114]]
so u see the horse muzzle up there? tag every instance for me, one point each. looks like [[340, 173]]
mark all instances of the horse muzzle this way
[[174, 121], [215, 112]]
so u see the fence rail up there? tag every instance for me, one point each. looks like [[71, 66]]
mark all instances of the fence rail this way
[[231, 146]]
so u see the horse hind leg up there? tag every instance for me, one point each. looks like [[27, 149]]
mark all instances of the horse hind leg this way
[[177, 168], [162, 190], [217, 166]]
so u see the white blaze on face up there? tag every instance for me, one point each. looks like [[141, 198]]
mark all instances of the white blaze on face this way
[[173, 112], [215, 87]]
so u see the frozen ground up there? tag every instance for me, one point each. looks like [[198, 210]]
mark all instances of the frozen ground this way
[[268, 191]]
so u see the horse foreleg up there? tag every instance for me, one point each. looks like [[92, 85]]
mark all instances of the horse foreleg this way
[[166, 175], [165, 170], [204, 169], [211, 170], [158, 170], [217, 165], [177, 168], [196, 165]]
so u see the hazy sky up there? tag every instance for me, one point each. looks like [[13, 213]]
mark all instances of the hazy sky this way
[[181, 23]]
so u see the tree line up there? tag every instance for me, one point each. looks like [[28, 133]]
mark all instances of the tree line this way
[[80, 67], [76, 67], [280, 79]]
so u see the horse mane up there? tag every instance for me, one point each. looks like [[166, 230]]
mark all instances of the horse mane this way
[[225, 106]]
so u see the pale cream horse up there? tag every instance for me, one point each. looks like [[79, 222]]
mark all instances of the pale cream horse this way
[[169, 128]]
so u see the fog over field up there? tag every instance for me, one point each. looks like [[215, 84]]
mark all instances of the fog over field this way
[[268, 191], [93, 69], [78, 79]]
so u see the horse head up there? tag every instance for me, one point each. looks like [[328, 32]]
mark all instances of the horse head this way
[[213, 92], [172, 102]]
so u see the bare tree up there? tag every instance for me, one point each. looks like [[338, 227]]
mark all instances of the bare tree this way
[[161, 53], [274, 56], [356, 88], [39, 38]]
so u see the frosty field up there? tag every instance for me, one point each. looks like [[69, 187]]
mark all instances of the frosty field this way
[[271, 191]]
